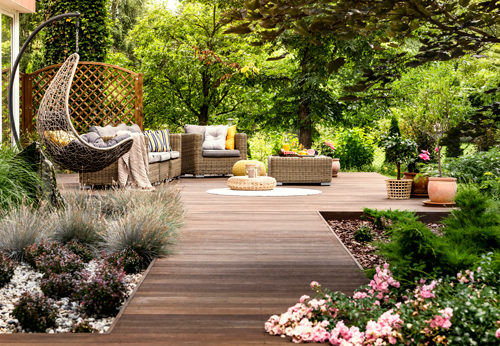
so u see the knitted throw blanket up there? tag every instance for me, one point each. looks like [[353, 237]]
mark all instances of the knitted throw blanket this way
[[133, 167]]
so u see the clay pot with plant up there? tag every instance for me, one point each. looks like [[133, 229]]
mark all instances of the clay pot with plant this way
[[399, 151], [420, 179]]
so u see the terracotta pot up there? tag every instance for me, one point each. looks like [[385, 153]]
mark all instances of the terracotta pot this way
[[335, 167], [442, 190], [419, 187]]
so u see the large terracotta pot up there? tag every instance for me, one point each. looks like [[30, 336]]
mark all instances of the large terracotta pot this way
[[442, 190], [335, 167], [419, 186]]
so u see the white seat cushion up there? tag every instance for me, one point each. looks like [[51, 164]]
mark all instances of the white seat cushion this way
[[158, 157], [215, 138], [174, 154]]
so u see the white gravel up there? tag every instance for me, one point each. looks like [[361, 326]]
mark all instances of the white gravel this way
[[26, 279]]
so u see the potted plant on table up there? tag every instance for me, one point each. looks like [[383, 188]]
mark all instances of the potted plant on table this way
[[398, 150], [415, 173], [327, 149]]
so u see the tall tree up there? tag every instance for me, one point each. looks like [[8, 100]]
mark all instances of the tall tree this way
[[191, 70]]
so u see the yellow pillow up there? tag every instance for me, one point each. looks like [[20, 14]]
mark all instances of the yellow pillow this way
[[60, 138], [231, 132]]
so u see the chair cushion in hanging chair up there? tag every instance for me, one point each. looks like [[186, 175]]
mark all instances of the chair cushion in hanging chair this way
[[109, 130], [95, 140], [60, 138]]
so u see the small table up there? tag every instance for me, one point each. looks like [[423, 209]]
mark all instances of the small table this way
[[300, 169], [251, 184]]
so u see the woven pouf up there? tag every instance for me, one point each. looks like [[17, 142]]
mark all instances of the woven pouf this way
[[239, 167], [251, 184]]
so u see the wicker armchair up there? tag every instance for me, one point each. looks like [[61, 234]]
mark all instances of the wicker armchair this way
[[193, 161], [158, 171]]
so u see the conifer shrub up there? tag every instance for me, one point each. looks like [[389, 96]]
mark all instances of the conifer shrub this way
[[7, 267], [35, 311]]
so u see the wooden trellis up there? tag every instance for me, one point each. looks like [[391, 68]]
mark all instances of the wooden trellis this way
[[101, 94]]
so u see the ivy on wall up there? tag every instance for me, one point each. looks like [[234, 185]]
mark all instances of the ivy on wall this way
[[94, 37]]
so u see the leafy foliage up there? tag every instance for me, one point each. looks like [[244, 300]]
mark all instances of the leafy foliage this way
[[57, 263], [35, 311], [399, 150], [354, 148], [60, 285], [363, 234], [127, 259], [476, 168], [78, 249], [83, 327], [94, 31], [7, 267]]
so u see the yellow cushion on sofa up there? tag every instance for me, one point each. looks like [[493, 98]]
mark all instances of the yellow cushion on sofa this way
[[231, 132], [239, 167], [60, 138]]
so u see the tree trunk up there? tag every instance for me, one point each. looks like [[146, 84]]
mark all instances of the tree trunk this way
[[305, 124], [205, 107], [203, 116]]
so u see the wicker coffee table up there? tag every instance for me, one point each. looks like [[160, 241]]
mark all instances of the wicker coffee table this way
[[300, 169], [251, 184]]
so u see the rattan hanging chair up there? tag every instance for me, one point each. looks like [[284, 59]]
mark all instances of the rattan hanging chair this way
[[55, 129]]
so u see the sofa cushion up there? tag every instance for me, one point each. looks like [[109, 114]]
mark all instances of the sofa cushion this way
[[95, 140], [159, 141], [158, 157], [175, 154], [221, 153], [231, 132], [215, 138], [109, 130], [195, 129]]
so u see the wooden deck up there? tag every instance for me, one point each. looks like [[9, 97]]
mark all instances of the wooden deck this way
[[239, 260]]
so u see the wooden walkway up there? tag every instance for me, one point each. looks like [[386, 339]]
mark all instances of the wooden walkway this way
[[239, 261]]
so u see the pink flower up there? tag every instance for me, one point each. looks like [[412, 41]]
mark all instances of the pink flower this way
[[497, 333], [437, 149], [424, 157], [360, 295], [303, 298], [315, 284], [443, 320]]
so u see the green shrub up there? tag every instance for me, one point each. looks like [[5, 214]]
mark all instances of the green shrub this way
[[475, 168], [355, 148], [35, 311], [23, 226], [105, 292], [471, 231], [31, 252], [150, 225], [78, 221], [65, 262], [7, 267], [363, 234], [127, 259], [83, 327]]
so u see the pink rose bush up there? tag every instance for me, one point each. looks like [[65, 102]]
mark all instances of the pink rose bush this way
[[384, 313]]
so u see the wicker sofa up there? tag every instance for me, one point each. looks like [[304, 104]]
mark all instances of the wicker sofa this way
[[158, 171], [201, 162]]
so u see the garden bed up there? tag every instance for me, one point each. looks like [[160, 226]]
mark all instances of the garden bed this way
[[344, 224]]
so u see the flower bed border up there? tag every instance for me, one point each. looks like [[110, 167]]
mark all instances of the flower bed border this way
[[426, 217], [129, 299]]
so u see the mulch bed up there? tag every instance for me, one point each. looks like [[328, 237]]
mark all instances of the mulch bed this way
[[365, 253]]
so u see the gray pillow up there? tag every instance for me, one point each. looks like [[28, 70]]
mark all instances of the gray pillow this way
[[94, 139], [215, 138], [195, 129], [109, 130]]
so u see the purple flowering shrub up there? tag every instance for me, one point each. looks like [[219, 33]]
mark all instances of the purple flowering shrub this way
[[81, 250], [65, 262], [35, 311], [62, 285], [462, 310], [35, 250], [127, 259], [104, 293], [7, 267]]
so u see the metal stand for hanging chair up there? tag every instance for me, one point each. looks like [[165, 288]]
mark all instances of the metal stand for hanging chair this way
[[54, 125]]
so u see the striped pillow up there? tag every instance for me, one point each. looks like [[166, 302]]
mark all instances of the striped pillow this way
[[159, 141]]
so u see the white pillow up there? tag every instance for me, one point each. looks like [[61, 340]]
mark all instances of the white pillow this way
[[215, 138]]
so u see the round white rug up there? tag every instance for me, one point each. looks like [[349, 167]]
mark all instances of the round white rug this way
[[277, 192]]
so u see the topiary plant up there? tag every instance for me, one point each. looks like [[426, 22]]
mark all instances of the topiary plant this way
[[399, 150], [35, 311], [7, 267]]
